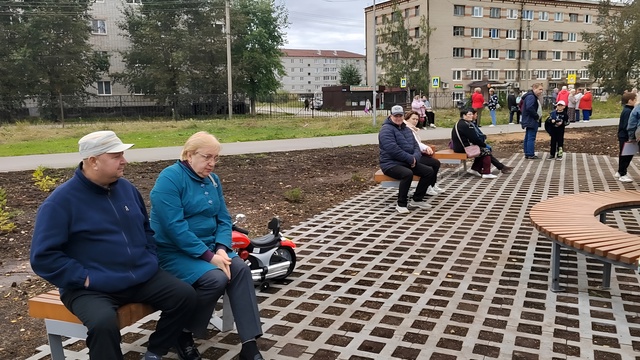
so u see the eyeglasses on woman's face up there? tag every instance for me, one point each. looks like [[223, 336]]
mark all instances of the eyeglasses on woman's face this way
[[209, 157]]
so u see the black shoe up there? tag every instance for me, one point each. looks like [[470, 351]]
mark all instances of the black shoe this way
[[186, 348], [250, 351], [506, 169], [534, 157]]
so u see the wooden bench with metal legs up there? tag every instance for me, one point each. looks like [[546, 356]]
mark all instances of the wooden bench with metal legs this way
[[59, 321], [570, 222]]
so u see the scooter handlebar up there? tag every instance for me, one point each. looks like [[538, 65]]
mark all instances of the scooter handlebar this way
[[239, 229]]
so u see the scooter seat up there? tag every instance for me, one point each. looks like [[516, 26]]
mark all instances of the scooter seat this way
[[266, 241]]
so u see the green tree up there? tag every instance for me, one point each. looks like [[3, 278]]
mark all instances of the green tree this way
[[258, 34], [50, 53], [615, 47], [402, 54], [350, 75]]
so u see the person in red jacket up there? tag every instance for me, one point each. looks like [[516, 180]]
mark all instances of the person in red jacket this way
[[586, 102], [563, 95], [477, 103]]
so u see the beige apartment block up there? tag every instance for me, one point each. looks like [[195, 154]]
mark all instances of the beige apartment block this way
[[307, 71], [486, 40]]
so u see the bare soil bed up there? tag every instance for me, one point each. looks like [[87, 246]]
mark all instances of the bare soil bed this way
[[291, 185]]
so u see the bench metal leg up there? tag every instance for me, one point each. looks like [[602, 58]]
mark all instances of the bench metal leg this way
[[55, 345], [555, 268], [606, 275], [226, 322], [603, 217]]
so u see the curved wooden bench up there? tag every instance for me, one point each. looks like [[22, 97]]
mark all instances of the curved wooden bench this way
[[570, 222]]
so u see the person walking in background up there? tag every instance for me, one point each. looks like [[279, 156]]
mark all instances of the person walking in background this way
[[563, 95], [92, 239], [418, 106], [571, 106], [306, 104], [555, 125], [400, 159], [531, 114], [492, 105], [578, 97], [193, 231], [431, 116], [512, 104], [630, 101], [478, 103], [586, 103], [367, 106]]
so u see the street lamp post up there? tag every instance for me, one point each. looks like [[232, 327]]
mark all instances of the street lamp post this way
[[375, 64]]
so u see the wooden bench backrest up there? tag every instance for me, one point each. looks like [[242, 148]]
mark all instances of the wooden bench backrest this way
[[49, 306], [571, 220]]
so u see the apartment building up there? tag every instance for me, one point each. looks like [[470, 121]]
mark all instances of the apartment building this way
[[309, 70], [508, 41]]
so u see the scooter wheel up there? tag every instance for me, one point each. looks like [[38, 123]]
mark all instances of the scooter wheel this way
[[264, 286]]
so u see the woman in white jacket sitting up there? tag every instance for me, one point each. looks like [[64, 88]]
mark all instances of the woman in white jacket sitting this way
[[411, 119]]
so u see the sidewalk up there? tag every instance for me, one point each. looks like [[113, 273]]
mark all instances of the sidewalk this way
[[31, 162]]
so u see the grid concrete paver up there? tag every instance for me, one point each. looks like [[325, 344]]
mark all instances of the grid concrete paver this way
[[468, 279]]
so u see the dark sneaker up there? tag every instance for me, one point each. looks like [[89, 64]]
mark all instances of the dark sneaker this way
[[186, 348], [534, 157], [506, 169]]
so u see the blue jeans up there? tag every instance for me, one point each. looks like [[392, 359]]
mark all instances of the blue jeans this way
[[586, 115], [493, 116], [530, 141]]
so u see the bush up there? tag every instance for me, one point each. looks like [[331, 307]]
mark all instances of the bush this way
[[43, 182], [294, 195]]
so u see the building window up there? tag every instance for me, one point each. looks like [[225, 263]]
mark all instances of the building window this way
[[558, 17], [292, 61], [104, 87], [573, 17], [494, 33], [512, 13], [543, 35], [494, 13], [457, 75], [527, 14], [543, 16], [416, 11], [455, 96], [523, 75], [458, 31], [494, 54], [584, 74], [557, 36], [542, 55], [477, 11], [511, 55], [416, 32], [557, 55], [571, 55], [571, 72], [510, 75], [587, 18], [541, 74], [134, 2], [458, 52], [476, 74], [493, 75], [585, 56], [512, 34], [458, 10], [136, 91], [406, 13], [476, 32], [476, 53], [556, 74], [98, 27], [573, 37]]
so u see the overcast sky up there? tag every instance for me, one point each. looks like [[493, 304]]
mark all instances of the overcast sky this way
[[326, 24]]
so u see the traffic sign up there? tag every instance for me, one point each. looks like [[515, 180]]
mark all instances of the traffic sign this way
[[435, 82], [403, 82], [571, 79]]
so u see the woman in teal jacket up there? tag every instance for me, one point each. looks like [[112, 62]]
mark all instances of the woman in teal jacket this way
[[193, 234]]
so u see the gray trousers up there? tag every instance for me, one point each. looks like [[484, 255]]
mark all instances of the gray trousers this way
[[242, 295]]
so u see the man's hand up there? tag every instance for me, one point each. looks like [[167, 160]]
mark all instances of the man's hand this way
[[86, 282], [428, 151], [222, 261], [414, 163]]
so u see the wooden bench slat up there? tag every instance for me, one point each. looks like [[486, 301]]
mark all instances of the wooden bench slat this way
[[617, 254], [630, 258], [601, 248]]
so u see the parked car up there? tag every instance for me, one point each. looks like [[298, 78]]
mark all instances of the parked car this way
[[316, 104]]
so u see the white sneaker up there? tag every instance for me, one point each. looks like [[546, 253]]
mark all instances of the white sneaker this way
[[431, 191], [489, 176], [438, 188], [432, 126], [402, 209], [625, 178], [420, 204], [616, 175], [474, 173], [491, 125]]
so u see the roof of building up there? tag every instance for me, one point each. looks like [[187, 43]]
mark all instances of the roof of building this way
[[320, 53]]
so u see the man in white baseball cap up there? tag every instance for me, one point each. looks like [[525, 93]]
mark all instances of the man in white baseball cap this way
[[92, 239]]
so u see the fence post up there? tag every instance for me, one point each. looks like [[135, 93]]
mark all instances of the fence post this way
[[61, 108]]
